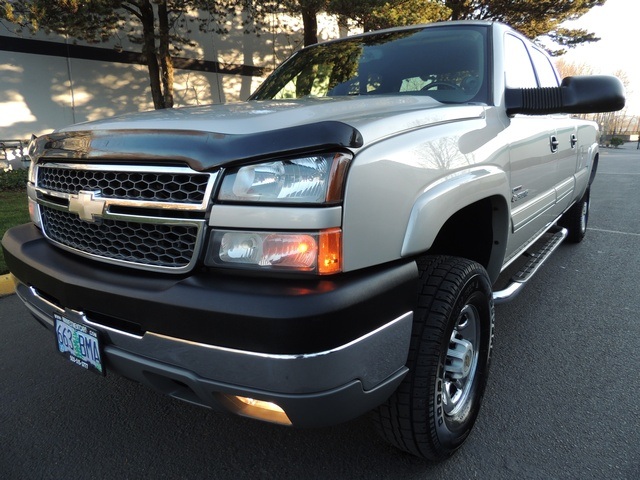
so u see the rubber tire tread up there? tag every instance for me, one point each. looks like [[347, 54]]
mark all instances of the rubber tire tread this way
[[405, 420], [572, 220]]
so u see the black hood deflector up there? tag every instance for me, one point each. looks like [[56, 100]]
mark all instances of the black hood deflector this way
[[202, 151]]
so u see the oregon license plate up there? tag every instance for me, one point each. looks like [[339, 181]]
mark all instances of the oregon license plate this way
[[79, 343]]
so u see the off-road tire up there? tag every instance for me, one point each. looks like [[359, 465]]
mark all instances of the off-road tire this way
[[452, 327], [575, 219]]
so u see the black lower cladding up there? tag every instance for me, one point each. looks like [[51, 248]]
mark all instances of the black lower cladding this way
[[280, 316]]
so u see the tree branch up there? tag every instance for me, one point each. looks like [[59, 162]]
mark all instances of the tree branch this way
[[132, 11]]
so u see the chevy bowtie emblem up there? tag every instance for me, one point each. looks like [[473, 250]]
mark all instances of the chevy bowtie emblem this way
[[86, 205]]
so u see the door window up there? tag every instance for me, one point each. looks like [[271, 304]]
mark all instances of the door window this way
[[519, 70]]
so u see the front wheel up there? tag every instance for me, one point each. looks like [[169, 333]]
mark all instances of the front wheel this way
[[434, 409]]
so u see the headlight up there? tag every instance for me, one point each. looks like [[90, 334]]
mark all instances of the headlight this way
[[32, 172], [34, 210], [311, 179], [31, 149], [317, 253]]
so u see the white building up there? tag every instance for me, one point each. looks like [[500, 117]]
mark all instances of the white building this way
[[48, 81]]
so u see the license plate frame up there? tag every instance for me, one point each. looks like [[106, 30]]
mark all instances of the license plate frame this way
[[79, 343]]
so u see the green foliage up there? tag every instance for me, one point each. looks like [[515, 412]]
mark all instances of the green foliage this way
[[534, 18], [369, 14], [100, 20], [13, 211], [616, 141], [92, 20], [374, 15], [570, 38], [13, 180]]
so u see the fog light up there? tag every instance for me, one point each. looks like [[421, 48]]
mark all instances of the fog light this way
[[259, 409]]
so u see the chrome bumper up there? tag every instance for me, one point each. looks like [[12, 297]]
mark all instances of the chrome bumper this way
[[314, 389]]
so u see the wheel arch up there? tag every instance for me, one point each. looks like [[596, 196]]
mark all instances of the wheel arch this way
[[594, 168], [444, 214]]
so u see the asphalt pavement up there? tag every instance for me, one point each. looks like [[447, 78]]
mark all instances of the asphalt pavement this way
[[563, 399]]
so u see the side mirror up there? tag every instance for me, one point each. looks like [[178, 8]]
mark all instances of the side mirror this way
[[581, 94]]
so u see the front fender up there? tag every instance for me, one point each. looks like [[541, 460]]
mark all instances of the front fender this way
[[442, 199]]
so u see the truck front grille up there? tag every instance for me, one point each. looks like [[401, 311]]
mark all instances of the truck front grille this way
[[161, 245], [150, 218], [130, 185]]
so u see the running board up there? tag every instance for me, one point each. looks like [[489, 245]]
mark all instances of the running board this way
[[520, 279]]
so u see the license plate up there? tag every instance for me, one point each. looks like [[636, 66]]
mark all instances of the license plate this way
[[79, 343]]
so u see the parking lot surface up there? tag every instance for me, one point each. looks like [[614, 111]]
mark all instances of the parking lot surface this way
[[563, 400]]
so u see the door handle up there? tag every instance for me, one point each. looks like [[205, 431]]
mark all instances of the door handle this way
[[554, 144], [574, 140]]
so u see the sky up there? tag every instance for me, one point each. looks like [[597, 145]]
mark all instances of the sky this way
[[617, 23]]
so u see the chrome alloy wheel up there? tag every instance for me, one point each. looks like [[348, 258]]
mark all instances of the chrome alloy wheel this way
[[436, 405], [461, 361]]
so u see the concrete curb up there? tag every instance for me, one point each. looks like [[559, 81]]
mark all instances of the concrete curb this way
[[7, 286]]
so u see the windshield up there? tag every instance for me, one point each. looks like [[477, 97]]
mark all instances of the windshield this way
[[447, 63]]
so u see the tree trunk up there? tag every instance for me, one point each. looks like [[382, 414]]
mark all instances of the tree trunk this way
[[149, 52], [166, 63], [310, 24], [459, 8]]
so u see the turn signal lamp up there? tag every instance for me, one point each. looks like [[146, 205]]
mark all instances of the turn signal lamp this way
[[318, 253], [330, 255]]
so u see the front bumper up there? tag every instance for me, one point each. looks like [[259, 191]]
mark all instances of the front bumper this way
[[324, 351]]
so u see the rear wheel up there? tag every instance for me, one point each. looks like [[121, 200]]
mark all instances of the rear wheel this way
[[434, 409], [576, 218]]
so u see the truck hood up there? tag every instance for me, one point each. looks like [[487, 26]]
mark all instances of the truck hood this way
[[212, 136], [373, 116]]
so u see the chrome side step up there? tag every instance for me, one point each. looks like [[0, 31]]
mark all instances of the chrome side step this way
[[519, 279]]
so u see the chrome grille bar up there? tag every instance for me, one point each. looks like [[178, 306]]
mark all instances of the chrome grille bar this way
[[150, 184], [144, 217]]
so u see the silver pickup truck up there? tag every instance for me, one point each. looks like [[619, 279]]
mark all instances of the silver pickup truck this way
[[333, 246]]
